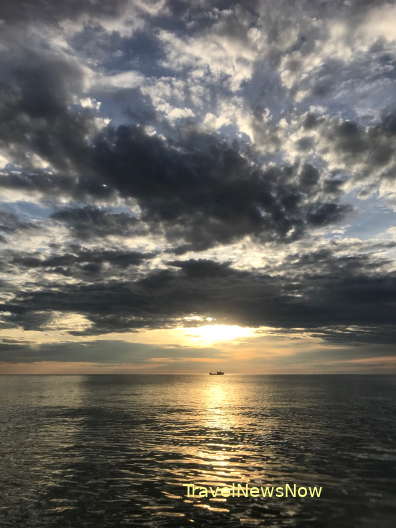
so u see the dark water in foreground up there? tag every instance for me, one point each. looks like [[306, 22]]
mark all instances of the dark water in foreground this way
[[114, 451]]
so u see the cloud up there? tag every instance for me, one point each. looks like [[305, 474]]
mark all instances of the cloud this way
[[206, 192], [363, 154], [53, 11], [100, 351], [80, 263], [91, 222], [11, 224], [162, 160], [37, 118], [200, 190], [320, 290]]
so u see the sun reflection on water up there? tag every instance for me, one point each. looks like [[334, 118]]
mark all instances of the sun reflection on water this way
[[218, 411], [219, 419], [138, 441]]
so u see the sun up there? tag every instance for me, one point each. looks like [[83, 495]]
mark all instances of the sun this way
[[215, 333]]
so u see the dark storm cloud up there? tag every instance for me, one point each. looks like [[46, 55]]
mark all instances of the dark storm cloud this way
[[366, 150], [92, 222], [28, 320], [199, 189], [204, 191], [10, 224], [77, 262], [202, 269], [195, 186], [364, 335], [37, 90], [51, 11], [317, 292]]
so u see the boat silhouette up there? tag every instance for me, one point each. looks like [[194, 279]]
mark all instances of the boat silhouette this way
[[216, 373]]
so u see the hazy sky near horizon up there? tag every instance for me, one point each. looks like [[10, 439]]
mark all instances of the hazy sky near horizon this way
[[192, 185]]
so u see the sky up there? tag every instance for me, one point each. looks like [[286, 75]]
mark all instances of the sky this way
[[186, 186]]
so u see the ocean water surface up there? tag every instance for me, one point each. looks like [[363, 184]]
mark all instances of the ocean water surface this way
[[114, 451]]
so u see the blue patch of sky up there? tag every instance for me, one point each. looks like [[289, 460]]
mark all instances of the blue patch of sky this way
[[28, 209], [371, 217]]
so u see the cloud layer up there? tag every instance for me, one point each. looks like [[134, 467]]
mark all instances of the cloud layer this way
[[162, 161]]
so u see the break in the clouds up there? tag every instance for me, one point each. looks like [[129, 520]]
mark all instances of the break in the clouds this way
[[166, 163]]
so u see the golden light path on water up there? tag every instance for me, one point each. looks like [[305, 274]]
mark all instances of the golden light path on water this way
[[122, 449], [219, 456]]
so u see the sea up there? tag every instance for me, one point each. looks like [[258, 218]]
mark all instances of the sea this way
[[118, 450]]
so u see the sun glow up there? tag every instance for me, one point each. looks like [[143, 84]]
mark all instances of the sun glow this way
[[215, 333]]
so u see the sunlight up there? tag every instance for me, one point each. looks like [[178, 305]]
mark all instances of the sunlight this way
[[215, 333]]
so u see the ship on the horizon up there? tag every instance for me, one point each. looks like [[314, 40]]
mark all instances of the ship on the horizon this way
[[216, 373]]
